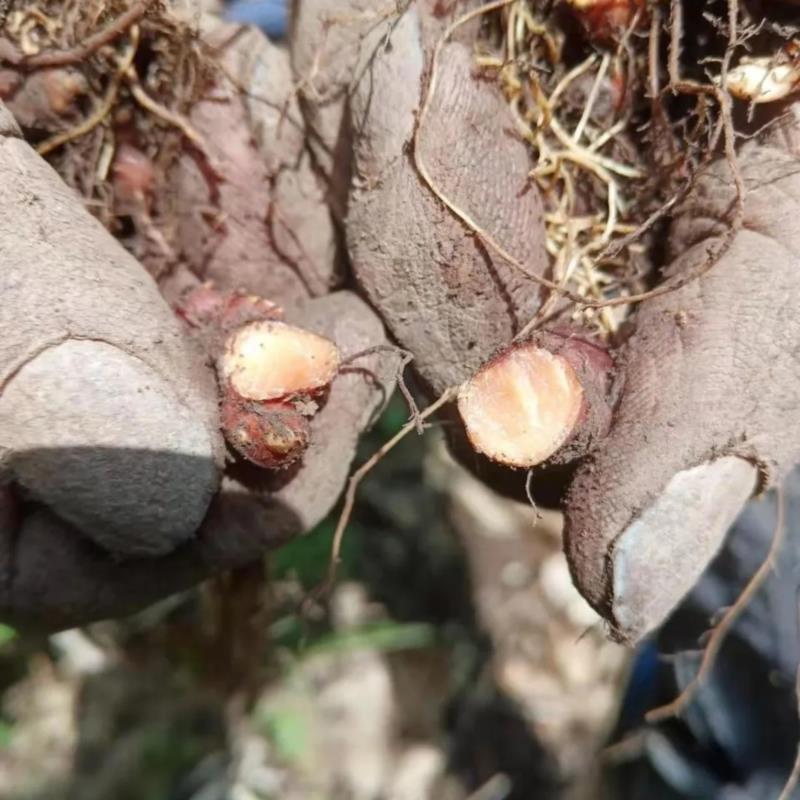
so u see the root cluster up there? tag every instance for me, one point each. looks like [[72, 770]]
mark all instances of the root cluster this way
[[103, 90], [623, 108], [577, 118]]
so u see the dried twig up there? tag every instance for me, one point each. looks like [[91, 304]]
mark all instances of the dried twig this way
[[170, 117], [721, 630], [77, 54], [676, 33]]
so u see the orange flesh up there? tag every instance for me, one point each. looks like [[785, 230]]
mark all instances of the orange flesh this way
[[270, 360], [521, 408]]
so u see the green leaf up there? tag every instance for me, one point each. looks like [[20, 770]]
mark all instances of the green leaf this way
[[7, 634], [6, 732], [382, 636], [394, 417], [306, 558], [288, 730]]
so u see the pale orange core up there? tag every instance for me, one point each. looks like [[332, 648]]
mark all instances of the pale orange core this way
[[270, 360], [522, 407]]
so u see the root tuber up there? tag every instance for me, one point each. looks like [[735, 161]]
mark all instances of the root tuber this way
[[521, 407], [528, 402], [46, 99], [134, 175], [270, 373]]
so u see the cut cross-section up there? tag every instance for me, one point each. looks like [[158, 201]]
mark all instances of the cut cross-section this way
[[522, 406], [273, 360], [762, 80]]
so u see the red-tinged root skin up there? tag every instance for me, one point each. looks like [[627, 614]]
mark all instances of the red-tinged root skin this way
[[201, 306], [271, 374], [240, 308], [270, 435], [206, 307], [44, 98], [273, 360], [525, 406], [606, 20], [134, 174]]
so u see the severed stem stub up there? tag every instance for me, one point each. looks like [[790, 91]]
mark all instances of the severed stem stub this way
[[272, 375], [545, 399]]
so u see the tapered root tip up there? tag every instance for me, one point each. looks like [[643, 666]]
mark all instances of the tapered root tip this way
[[522, 407], [273, 360]]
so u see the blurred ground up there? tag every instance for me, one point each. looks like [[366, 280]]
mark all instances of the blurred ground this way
[[455, 660]]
